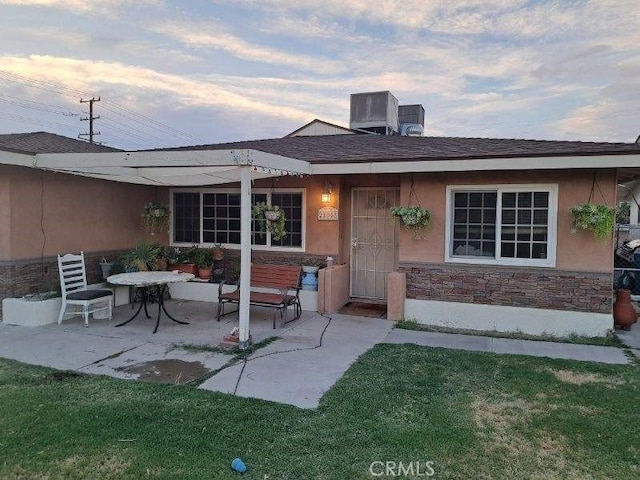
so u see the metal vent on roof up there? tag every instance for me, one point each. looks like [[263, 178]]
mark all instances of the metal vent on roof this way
[[411, 130]]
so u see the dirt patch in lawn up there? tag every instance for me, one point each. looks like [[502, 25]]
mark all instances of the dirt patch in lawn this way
[[94, 466], [577, 378], [173, 371], [503, 424], [60, 376]]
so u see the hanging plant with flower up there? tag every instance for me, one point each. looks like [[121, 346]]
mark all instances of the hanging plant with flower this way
[[599, 219], [272, 219], [413, 218], [155, 215]]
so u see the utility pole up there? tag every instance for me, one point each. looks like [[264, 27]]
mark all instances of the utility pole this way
[[91, 118]]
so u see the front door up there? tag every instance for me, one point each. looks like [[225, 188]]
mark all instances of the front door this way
[[373, 241]]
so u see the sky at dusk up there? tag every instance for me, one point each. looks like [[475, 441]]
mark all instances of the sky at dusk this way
[[193, 72]]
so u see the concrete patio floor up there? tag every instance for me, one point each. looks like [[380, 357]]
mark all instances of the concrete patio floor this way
[[294, 371], [306, 360]]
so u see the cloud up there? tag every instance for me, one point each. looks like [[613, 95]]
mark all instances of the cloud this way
[[198, 34], [82, 76], [411, 14], [310, 27], [78, 6]]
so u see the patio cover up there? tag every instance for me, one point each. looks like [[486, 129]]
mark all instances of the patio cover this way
[[180, 169]]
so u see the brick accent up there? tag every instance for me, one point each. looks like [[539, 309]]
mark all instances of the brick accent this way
[[511, 286], [33, 275], [283, 258]]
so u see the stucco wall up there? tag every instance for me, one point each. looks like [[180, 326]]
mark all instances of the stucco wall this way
[[322, 236], [53, 213], [5, 218], [574, 252]]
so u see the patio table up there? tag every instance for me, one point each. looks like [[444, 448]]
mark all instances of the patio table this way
[[145, 281]]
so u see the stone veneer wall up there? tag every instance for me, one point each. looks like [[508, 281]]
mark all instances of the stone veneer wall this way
[[511, 286], [33, 275], [282, 258]]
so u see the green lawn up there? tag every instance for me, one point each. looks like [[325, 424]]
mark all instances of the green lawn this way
[[473, 415]]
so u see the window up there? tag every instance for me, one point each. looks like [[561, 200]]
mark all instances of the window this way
[[504, 224], [213, 216]]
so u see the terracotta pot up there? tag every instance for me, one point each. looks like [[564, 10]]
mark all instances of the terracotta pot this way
[[624, 315], [204, 273], [184, 267]]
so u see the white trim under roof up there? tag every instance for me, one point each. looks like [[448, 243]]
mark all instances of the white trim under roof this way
[[165, 168], [475, 164]]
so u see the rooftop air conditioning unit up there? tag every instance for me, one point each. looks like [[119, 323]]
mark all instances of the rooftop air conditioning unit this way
[[375, 112], [411, 119]]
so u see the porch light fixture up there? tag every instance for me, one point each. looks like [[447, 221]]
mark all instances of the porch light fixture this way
[[326, 193]]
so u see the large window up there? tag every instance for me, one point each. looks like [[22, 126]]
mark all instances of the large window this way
[[213, 216], [506, 224]]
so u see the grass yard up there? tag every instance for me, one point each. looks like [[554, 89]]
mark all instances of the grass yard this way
[[472, 415]]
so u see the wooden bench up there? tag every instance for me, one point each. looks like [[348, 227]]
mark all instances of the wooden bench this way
[[275, 286]]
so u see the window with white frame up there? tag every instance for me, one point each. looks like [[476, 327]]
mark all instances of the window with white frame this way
[[213, 216], [504, 224]]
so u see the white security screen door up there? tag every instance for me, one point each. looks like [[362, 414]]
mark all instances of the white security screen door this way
[[373, 241]]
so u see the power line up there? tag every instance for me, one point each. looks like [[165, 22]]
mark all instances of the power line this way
[[111, 106], [34, 121], [43, 107]]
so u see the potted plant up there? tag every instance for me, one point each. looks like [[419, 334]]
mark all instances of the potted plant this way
[[143, 257], [312, 264], [412, 218], [599, 219], [183, 259], [272, 219], [105, 267], [310, 267], [155, 215], [204, 261], [217, 252]]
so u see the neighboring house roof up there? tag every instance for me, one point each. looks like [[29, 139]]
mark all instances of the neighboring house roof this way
[[320, 125], [380, 148], [44, 142]]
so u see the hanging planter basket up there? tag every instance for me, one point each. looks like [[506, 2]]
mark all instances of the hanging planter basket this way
[[270, 218], [413, 218], [272, 215], [155, 215], [410, 219], [599, 219]]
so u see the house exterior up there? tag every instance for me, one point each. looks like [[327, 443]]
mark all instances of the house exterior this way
[[499, 254]]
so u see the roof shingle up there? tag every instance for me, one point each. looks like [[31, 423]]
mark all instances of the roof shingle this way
[[380, 148], [45, 142]]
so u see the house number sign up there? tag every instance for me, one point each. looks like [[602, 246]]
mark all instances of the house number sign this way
[[328, 213]]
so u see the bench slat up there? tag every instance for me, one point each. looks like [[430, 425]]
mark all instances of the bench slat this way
[[284, 278]]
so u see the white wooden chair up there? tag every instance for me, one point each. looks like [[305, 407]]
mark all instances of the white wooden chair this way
[[73, 283]]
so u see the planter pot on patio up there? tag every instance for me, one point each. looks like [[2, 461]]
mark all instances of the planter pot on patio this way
[[624, 315], [29, 312], [309, 279], [106, 267], [184, 267], [204, 273]]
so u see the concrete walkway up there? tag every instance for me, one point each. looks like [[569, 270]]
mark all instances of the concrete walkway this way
[[567, 351], [306, 360]]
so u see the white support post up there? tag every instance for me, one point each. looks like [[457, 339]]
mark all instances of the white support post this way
[[245, 255]]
